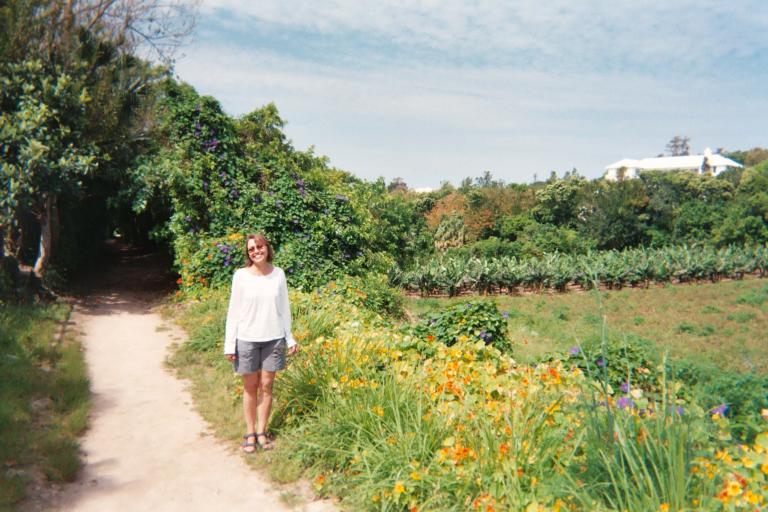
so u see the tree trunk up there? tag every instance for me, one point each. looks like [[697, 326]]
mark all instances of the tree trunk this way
[[44, 250]]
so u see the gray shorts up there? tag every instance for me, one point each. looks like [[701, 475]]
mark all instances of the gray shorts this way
[[252, 356]]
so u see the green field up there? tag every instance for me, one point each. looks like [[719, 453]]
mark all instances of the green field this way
[[721, 323]]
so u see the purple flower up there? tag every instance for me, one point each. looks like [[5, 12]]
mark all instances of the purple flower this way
[[601, 362], [210, 144], [483, 334], [678, 410], [720, 409], [624, 387], [574, 351], [624, 402], [505, 314]]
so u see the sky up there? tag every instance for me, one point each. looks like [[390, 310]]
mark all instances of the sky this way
[[432, 91]]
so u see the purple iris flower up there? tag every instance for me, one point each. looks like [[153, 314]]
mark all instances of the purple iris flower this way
[[574, 351], [624, 387], [601, 362], [720, 409], [505, 314], [678, 410], [624, 402]]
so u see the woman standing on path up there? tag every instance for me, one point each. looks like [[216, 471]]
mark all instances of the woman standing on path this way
[[258, 332]]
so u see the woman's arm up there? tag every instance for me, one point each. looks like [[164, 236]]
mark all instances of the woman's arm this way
[[285, 314], [230, 331]]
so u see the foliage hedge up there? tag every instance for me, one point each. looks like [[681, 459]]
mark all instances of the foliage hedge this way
[[610, 269]]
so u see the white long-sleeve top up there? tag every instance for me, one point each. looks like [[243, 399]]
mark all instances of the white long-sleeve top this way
[[258, 309]]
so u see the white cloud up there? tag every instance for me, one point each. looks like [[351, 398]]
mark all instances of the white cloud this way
[[584, 100], [586, 33]]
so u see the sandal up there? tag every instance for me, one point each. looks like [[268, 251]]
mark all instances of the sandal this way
[[247, 447], [267, 445]]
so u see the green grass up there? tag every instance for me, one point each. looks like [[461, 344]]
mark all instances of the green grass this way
[[44, 398], [717, 323]]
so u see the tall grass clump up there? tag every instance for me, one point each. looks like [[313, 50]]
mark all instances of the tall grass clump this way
[[44, 398]]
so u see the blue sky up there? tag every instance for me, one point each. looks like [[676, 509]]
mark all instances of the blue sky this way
[[441, 90]]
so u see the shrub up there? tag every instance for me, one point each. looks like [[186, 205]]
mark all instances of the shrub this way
[[370, 292], [633, 362], [473, 320]]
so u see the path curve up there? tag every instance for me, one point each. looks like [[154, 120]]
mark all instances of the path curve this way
[[146, 448]]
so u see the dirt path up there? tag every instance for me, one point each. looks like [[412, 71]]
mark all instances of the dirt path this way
[[146, 449]]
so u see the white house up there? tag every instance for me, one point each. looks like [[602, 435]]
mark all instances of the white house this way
[[699, 164]]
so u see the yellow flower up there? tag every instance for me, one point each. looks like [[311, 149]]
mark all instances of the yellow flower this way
[[733, 488], [399, 488], [415, 475], [378, 410], [664, 507], [375, 498]]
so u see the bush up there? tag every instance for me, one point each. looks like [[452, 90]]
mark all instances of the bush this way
[[632, 363], [370, 292], [473, 320], [743, 395]]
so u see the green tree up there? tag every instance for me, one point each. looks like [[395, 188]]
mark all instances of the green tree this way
[[41, 126], [557, 202], [746, 218], [613, 214]]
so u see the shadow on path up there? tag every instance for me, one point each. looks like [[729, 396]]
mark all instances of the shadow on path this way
[[128, 280]]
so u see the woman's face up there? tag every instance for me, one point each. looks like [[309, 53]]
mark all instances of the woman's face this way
[[257, 252]]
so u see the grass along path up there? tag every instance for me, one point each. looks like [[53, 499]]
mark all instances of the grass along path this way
[[721, 323], [44, 400]]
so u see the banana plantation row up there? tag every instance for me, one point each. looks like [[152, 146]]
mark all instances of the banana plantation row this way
[[610, 269]]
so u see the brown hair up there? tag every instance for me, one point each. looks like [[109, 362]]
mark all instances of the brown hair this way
[[260, 240]]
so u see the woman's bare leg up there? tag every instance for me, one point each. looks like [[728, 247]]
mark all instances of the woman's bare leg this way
[[264, 404], [250, 400]]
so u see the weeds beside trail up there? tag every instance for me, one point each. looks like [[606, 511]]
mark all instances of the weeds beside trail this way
[[44, 398], [387, 421]]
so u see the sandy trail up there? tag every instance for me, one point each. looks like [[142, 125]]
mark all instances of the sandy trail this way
[[147, 449]]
